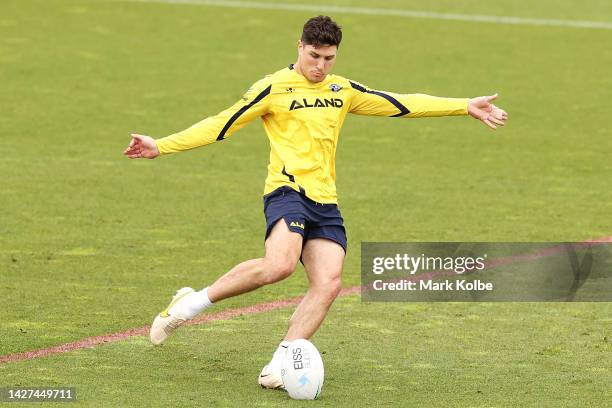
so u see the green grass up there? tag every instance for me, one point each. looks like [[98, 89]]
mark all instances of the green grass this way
[[392, 355], [92, 243]]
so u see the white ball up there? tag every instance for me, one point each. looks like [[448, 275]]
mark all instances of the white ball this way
[[302, 370]]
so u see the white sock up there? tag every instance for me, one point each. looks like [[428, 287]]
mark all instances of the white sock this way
[[277, 358], [193, 304]]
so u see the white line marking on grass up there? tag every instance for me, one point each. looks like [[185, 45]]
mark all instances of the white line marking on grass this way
[[371, 11]]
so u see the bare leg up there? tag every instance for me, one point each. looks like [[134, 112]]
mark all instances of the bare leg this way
[[323, 260], [283, 249]]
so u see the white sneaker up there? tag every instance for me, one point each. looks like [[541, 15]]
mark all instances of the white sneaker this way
[[169, 319], [270, 377]]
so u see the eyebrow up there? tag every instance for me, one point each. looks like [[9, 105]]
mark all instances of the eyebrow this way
[[314, 54]]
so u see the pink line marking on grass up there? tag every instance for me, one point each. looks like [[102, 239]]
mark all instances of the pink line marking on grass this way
[[90, 342], [227, 314]]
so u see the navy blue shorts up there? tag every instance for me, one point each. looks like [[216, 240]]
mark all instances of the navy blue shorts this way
[[304, 216]]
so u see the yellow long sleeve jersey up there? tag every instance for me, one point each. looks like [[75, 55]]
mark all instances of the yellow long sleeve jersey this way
[[302, 120]]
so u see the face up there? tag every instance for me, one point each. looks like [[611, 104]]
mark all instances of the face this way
[[316, 62]]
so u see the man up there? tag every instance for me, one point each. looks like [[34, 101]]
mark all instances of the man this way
[[302, 107]]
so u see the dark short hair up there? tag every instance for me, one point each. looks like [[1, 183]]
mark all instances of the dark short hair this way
[[322, 30]]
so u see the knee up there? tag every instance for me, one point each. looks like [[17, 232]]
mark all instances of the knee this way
[[329, 289], [276, 270]]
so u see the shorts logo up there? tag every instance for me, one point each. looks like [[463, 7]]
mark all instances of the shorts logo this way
[[296, 224]]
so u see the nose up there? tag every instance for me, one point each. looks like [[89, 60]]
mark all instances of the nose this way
[[321, 66]]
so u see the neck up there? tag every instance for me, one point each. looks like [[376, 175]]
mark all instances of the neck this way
[[297, 68]]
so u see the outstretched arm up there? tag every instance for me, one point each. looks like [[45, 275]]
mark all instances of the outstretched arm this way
[[214, 128], [366, 101]]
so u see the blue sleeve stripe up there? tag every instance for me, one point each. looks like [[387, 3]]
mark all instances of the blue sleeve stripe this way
[[403, 110], [245, 108]]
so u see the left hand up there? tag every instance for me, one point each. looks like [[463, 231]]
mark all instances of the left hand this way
[[482, 109], [141, 146]]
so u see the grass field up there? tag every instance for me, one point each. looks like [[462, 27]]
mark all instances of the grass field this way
[[92, 243]]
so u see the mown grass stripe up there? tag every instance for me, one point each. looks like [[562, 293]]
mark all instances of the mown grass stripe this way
[[232, 313]]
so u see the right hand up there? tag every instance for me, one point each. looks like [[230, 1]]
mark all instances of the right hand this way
[[141, 147]]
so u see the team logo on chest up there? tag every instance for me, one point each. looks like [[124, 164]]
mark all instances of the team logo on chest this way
[[335, 87], [316, 103]]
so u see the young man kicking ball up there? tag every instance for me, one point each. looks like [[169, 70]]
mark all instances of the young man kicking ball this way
[[303, 107]]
